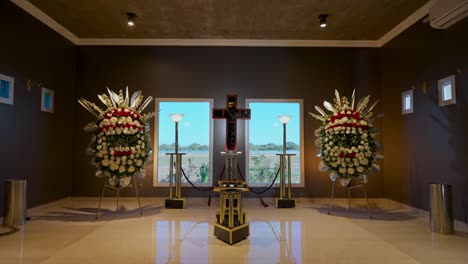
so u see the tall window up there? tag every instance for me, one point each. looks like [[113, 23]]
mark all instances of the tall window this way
[[264, 135], [195, 139]]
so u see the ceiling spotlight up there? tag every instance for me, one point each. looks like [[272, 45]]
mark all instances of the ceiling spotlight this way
[[323, 20], [131, 19]]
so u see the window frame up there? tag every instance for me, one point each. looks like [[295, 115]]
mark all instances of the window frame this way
[[248, 101], [44, 93], [441, 83], [156, 183], [404, 94]]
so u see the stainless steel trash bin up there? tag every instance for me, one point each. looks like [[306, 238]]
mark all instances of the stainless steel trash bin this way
[[440, 205], [14, 210]]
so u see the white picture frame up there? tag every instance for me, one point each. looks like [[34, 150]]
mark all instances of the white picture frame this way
[[7, 89], [447, 91], [47, 100], [407, 102]]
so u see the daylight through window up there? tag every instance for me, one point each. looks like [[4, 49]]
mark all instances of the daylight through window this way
[[447, 91], [407, 102], [265, 139], [195, 139]]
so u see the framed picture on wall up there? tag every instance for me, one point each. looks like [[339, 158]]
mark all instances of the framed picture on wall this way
[[47, 101], [7, 88], [447, 91], [407, 102]]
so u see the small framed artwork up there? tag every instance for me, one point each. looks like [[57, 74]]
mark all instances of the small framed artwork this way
[[407, 102], [47, 102], [7, 88], [447, 92]]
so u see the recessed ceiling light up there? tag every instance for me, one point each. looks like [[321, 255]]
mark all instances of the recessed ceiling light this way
[[131, 19], [323, 20]]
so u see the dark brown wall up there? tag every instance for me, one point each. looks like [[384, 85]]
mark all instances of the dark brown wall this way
[[35, 145], [49, 149], [308, 73], [429, 145]]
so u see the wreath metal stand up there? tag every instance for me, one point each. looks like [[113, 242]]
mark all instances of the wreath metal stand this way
[[349, 187], [107, 185]]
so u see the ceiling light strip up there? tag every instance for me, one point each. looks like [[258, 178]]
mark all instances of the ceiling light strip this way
[[405, 24], [228, 42], [44, 18]]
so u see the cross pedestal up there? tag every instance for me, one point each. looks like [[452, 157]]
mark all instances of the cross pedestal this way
[[230, 164], [231, 222]]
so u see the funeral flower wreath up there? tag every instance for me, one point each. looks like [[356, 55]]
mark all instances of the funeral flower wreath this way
[[346, 139], [120, 146]]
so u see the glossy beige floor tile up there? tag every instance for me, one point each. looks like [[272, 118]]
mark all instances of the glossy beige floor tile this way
[[67, 232]]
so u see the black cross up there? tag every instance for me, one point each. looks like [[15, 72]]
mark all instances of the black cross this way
[[231, 113]]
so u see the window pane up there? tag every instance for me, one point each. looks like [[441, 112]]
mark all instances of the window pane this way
[[4, 89], [47, 101], [194, 139], [447, 92], [407, 102], [266, 140]]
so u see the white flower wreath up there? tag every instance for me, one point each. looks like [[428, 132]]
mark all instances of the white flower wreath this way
[[121, 144], [346, 139]]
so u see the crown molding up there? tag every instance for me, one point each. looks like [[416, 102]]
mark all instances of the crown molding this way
[[47, 20], [405, 24], [228, 42]]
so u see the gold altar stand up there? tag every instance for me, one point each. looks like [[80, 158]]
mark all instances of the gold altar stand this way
[[231, 225], [231, 222]]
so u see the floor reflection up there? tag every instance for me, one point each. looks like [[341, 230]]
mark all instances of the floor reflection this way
[[276, 240], [179, 240], [182, 241], [300, 235]]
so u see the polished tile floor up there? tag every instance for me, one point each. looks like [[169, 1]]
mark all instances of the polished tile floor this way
[[67, 232]]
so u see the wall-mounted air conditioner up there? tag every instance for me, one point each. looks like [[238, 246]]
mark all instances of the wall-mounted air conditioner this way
[[445, 13]]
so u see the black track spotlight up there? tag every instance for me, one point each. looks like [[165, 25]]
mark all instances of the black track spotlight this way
[[131, 19], [323, 20]]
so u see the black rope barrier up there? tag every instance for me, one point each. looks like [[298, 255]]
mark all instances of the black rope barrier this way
[[242, 177], [204, 190], [198, 188], [262, 191], [193, 185]]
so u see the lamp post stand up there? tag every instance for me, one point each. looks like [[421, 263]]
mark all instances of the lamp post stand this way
[[285, 200]]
